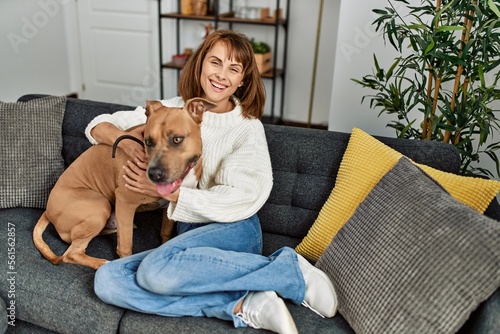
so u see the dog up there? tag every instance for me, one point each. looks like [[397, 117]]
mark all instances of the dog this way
[[82, 198]]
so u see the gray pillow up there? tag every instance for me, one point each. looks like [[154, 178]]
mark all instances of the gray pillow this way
[[30, 154], [412, 259]]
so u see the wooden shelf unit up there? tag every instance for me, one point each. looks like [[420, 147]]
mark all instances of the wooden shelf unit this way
[[229, 18]]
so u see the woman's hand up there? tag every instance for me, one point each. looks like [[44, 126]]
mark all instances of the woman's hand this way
[[133, 149], [136, 180], [108, 133]]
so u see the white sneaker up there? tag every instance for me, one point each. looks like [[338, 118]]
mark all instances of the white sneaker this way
[[264, 309], [320, 294]]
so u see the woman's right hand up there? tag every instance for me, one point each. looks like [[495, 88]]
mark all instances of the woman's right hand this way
[[107, 133], [133, 149]]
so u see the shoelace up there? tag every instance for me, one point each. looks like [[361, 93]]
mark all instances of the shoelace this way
[[304, 303], [247, 320]]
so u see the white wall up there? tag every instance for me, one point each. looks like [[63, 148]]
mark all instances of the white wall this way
[[34, 52], [302, 42], [357, 42]]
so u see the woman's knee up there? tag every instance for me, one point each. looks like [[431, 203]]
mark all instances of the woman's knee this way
[[150, 280], [102, 283], [113, 280]]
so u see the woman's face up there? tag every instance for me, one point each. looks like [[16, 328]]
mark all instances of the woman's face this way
[[220, 77]]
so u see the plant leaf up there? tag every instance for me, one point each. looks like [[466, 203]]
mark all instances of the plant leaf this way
[[494, 7], [391, 69], [448, 28], [429, 47]]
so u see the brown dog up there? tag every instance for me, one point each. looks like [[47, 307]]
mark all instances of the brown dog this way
[[82, 198]]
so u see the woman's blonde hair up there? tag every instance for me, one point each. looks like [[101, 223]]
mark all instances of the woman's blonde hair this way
[[252, 94]]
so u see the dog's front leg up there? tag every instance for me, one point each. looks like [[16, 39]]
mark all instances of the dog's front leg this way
[[167, 228], [125, 212]]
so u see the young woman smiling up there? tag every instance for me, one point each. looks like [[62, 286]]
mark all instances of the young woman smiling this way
[[214, 266]]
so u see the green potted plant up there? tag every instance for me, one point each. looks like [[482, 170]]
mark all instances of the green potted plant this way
[[443, 84], [263, 55]]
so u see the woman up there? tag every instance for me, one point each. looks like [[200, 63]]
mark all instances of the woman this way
[[213, 267]]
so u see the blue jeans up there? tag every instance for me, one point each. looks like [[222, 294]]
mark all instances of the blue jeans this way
[[204, 271]]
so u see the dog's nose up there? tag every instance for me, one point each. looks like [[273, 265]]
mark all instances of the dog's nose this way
[[156, 174]]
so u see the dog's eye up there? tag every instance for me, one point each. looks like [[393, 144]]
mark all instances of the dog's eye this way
[[177, 140], [148, 142]]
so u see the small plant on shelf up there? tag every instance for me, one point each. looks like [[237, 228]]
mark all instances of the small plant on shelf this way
[[260, 47], [262, 52]]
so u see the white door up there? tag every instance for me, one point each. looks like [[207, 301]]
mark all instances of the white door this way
[[119, 50]]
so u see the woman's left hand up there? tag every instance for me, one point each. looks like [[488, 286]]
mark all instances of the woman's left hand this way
[[136, 180]]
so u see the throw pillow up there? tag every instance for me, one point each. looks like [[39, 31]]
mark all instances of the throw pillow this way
[[365, 161], [30, 151], [412, 259]]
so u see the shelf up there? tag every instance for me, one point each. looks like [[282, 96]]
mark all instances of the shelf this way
[[225, 17], [269, 74], [172, 65], [188, 17], [265, 75], [229, 17]]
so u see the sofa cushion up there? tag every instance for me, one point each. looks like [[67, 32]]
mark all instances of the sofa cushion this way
[[305, 320], [44, 292], [78, 115], [30, 151], [412, 258], [365, 161], [304, 173]]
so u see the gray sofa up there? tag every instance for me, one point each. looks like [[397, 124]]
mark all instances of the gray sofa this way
[[305, 163]]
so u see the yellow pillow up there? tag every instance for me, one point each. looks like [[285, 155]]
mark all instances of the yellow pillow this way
[[365, 161]]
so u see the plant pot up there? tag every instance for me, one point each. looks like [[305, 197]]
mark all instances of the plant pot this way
[[264, 61]]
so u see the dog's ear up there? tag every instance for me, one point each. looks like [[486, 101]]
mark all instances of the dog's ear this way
[[152, 106], [197, 106]]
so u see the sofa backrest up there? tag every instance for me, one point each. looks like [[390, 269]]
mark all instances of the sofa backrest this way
[[305, 164], [77, 116]]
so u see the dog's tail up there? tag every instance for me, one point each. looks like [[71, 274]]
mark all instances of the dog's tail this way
[[42, 224]]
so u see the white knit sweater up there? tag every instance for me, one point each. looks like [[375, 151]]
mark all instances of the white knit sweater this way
[[237, 175]]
